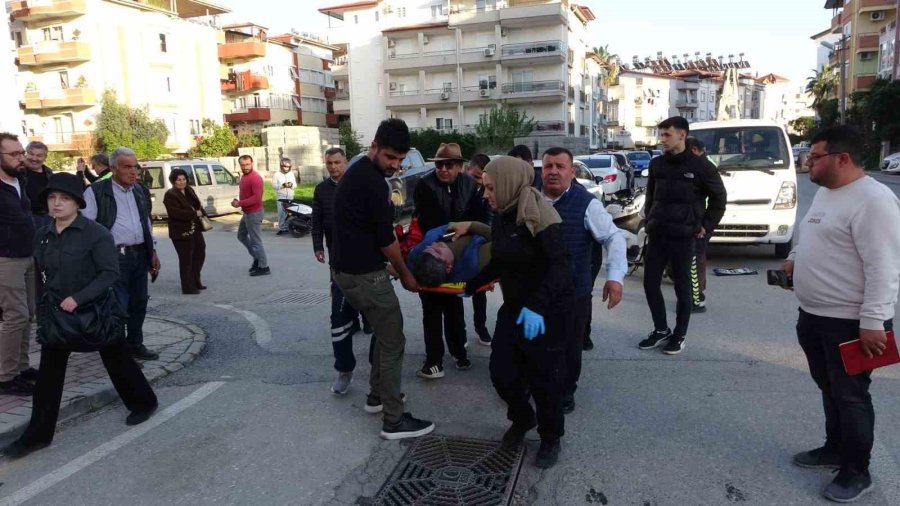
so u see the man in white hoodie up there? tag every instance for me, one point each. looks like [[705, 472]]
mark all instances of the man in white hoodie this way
[[846, 272]]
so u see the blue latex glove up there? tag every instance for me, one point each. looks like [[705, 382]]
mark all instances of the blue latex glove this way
[[532, 322], [463, 295]]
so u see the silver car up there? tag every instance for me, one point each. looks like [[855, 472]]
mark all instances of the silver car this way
[[607, 172]]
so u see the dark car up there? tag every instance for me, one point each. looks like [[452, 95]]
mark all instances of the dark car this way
[[403, 183]]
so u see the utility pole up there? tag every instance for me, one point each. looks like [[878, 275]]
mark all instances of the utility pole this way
[[843, 78]]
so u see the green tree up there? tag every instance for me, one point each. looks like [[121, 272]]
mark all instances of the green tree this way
[[427, 141], [247, 137], [610, 62], [58, 161], [350, 139], [120, 125], [821, 84], [217, 140], [497, 130], [803, 126], [829, 113]]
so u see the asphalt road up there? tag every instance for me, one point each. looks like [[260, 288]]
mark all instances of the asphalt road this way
[[252, 421]]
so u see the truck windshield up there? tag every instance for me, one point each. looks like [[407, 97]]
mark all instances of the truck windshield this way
[[745, 148]]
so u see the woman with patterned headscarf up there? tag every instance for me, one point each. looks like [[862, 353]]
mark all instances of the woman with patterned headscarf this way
[[528, 351]]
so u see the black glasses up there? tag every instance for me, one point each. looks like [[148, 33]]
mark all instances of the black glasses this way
[[13, 153], [444, 164], [815, 158]]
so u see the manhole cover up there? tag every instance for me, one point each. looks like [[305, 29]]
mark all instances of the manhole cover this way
[[301, 298], [440, 470]]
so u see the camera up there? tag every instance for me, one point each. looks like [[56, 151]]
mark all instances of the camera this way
[[779, 278]]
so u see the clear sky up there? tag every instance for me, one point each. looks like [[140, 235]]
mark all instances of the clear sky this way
[[774, 35]]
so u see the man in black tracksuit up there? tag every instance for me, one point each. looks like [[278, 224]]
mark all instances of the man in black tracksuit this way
[[445, 195], [685, 200]]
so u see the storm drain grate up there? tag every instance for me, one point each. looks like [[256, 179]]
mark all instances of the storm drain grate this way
[[302, 298], [440, 470]]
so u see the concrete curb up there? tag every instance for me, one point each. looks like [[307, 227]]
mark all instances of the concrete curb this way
[[92, 395]]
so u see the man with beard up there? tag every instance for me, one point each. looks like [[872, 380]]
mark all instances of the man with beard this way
[[16, 262], [250, 202], [37, 176]]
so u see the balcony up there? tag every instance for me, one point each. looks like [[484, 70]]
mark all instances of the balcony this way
[[70, 98], [863, 83], [534, 52], [331, 120], [245, 82], [342, 94], [340, 67], [249, 115], [686, 103], [535, 91], [471, 16], [478, 94], [687, 85], [548, 128], [876, 5], [430, 59], [478, 55], [244, 50], [867, 42], [39, 10], [48, 52], [416, 98], [66, 141], [836, 23], [342, 106], [532, 14], [330, 93]]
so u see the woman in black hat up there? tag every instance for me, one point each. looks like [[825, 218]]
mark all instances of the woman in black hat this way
[[77, 258]]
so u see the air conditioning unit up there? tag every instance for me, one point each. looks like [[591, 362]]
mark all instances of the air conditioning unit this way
[[489, 51], [392, 86], [391, 43], [424, 39], [445, 96], [877, 16], [484, 93]]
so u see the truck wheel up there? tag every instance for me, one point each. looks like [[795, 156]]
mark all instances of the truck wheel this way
[[784, 249]]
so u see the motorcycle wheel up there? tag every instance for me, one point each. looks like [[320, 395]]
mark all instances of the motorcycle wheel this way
[[297, 229]]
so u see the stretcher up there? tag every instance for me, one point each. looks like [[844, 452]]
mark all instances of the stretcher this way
[[413, 235]]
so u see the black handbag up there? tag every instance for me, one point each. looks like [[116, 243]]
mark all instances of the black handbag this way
[[92, 326]]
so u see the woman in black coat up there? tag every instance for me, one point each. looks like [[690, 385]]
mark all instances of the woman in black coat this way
[[77, 257], [185, 211], [529, 256]]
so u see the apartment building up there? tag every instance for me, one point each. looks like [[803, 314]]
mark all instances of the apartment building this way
[[639, 101], [888, 46], [155, 55], [859, 23], [11, 116], [445, 64]]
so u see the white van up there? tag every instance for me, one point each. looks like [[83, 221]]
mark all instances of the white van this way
[[757, 166], [215, 186]]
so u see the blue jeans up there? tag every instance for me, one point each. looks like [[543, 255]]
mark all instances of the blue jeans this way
[[250, 235], [133, 293]]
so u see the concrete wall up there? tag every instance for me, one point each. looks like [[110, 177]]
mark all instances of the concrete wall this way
[[305, 146]]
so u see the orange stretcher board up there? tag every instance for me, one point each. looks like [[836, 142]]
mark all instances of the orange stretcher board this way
[[456, 288]]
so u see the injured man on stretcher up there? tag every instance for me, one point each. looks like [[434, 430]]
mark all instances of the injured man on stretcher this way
[[451, 254]]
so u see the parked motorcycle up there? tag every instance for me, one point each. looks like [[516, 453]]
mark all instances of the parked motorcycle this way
[[299, 217], [628, 214]]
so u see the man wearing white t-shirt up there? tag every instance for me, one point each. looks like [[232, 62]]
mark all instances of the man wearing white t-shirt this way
[[284, 183], [846, 272]]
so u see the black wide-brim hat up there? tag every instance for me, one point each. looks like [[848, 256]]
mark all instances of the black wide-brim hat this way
[[66, 183]]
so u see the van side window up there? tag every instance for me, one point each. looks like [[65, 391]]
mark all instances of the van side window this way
[[190, 173], [201, 172], [222, 176], [153, 178]]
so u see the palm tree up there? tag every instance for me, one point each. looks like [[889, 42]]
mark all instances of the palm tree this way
[[821, 83], [610, 62]]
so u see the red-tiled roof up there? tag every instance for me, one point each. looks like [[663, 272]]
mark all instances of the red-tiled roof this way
[[350, 6]]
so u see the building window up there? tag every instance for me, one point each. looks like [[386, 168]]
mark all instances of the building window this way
[[355, 19], [53, 33], [18, 38], [487, 82], [376, 16], [310, 104], [401, 12], [64, 80], [195, 126], [162, 43], [703, 96], [443, 123], [437, 10], [169, 84]]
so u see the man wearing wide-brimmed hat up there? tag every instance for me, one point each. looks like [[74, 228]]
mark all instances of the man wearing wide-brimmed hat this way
[[445, 195]]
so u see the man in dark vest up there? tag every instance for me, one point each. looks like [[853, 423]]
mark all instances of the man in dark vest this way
[[445, 195], [585, 225], [122, 205]]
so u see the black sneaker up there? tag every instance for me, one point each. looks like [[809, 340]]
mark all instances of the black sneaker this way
[[373, 403], [547, 454], [19, 448], [515, 435], [463, 364], [141, 352], [654, 339], [675, 345], [484, 336], [407, 426], [820, 458], [696, 309], [254, 266], [588, 343], [431, 371], [568, 403], [261, 271], [848, 486], [30, 374], [16, 386], [281, 232]]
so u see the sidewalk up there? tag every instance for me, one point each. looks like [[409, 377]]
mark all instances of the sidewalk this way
[[88, 386]]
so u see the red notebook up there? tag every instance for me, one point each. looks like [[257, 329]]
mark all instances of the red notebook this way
[[855, 361]]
